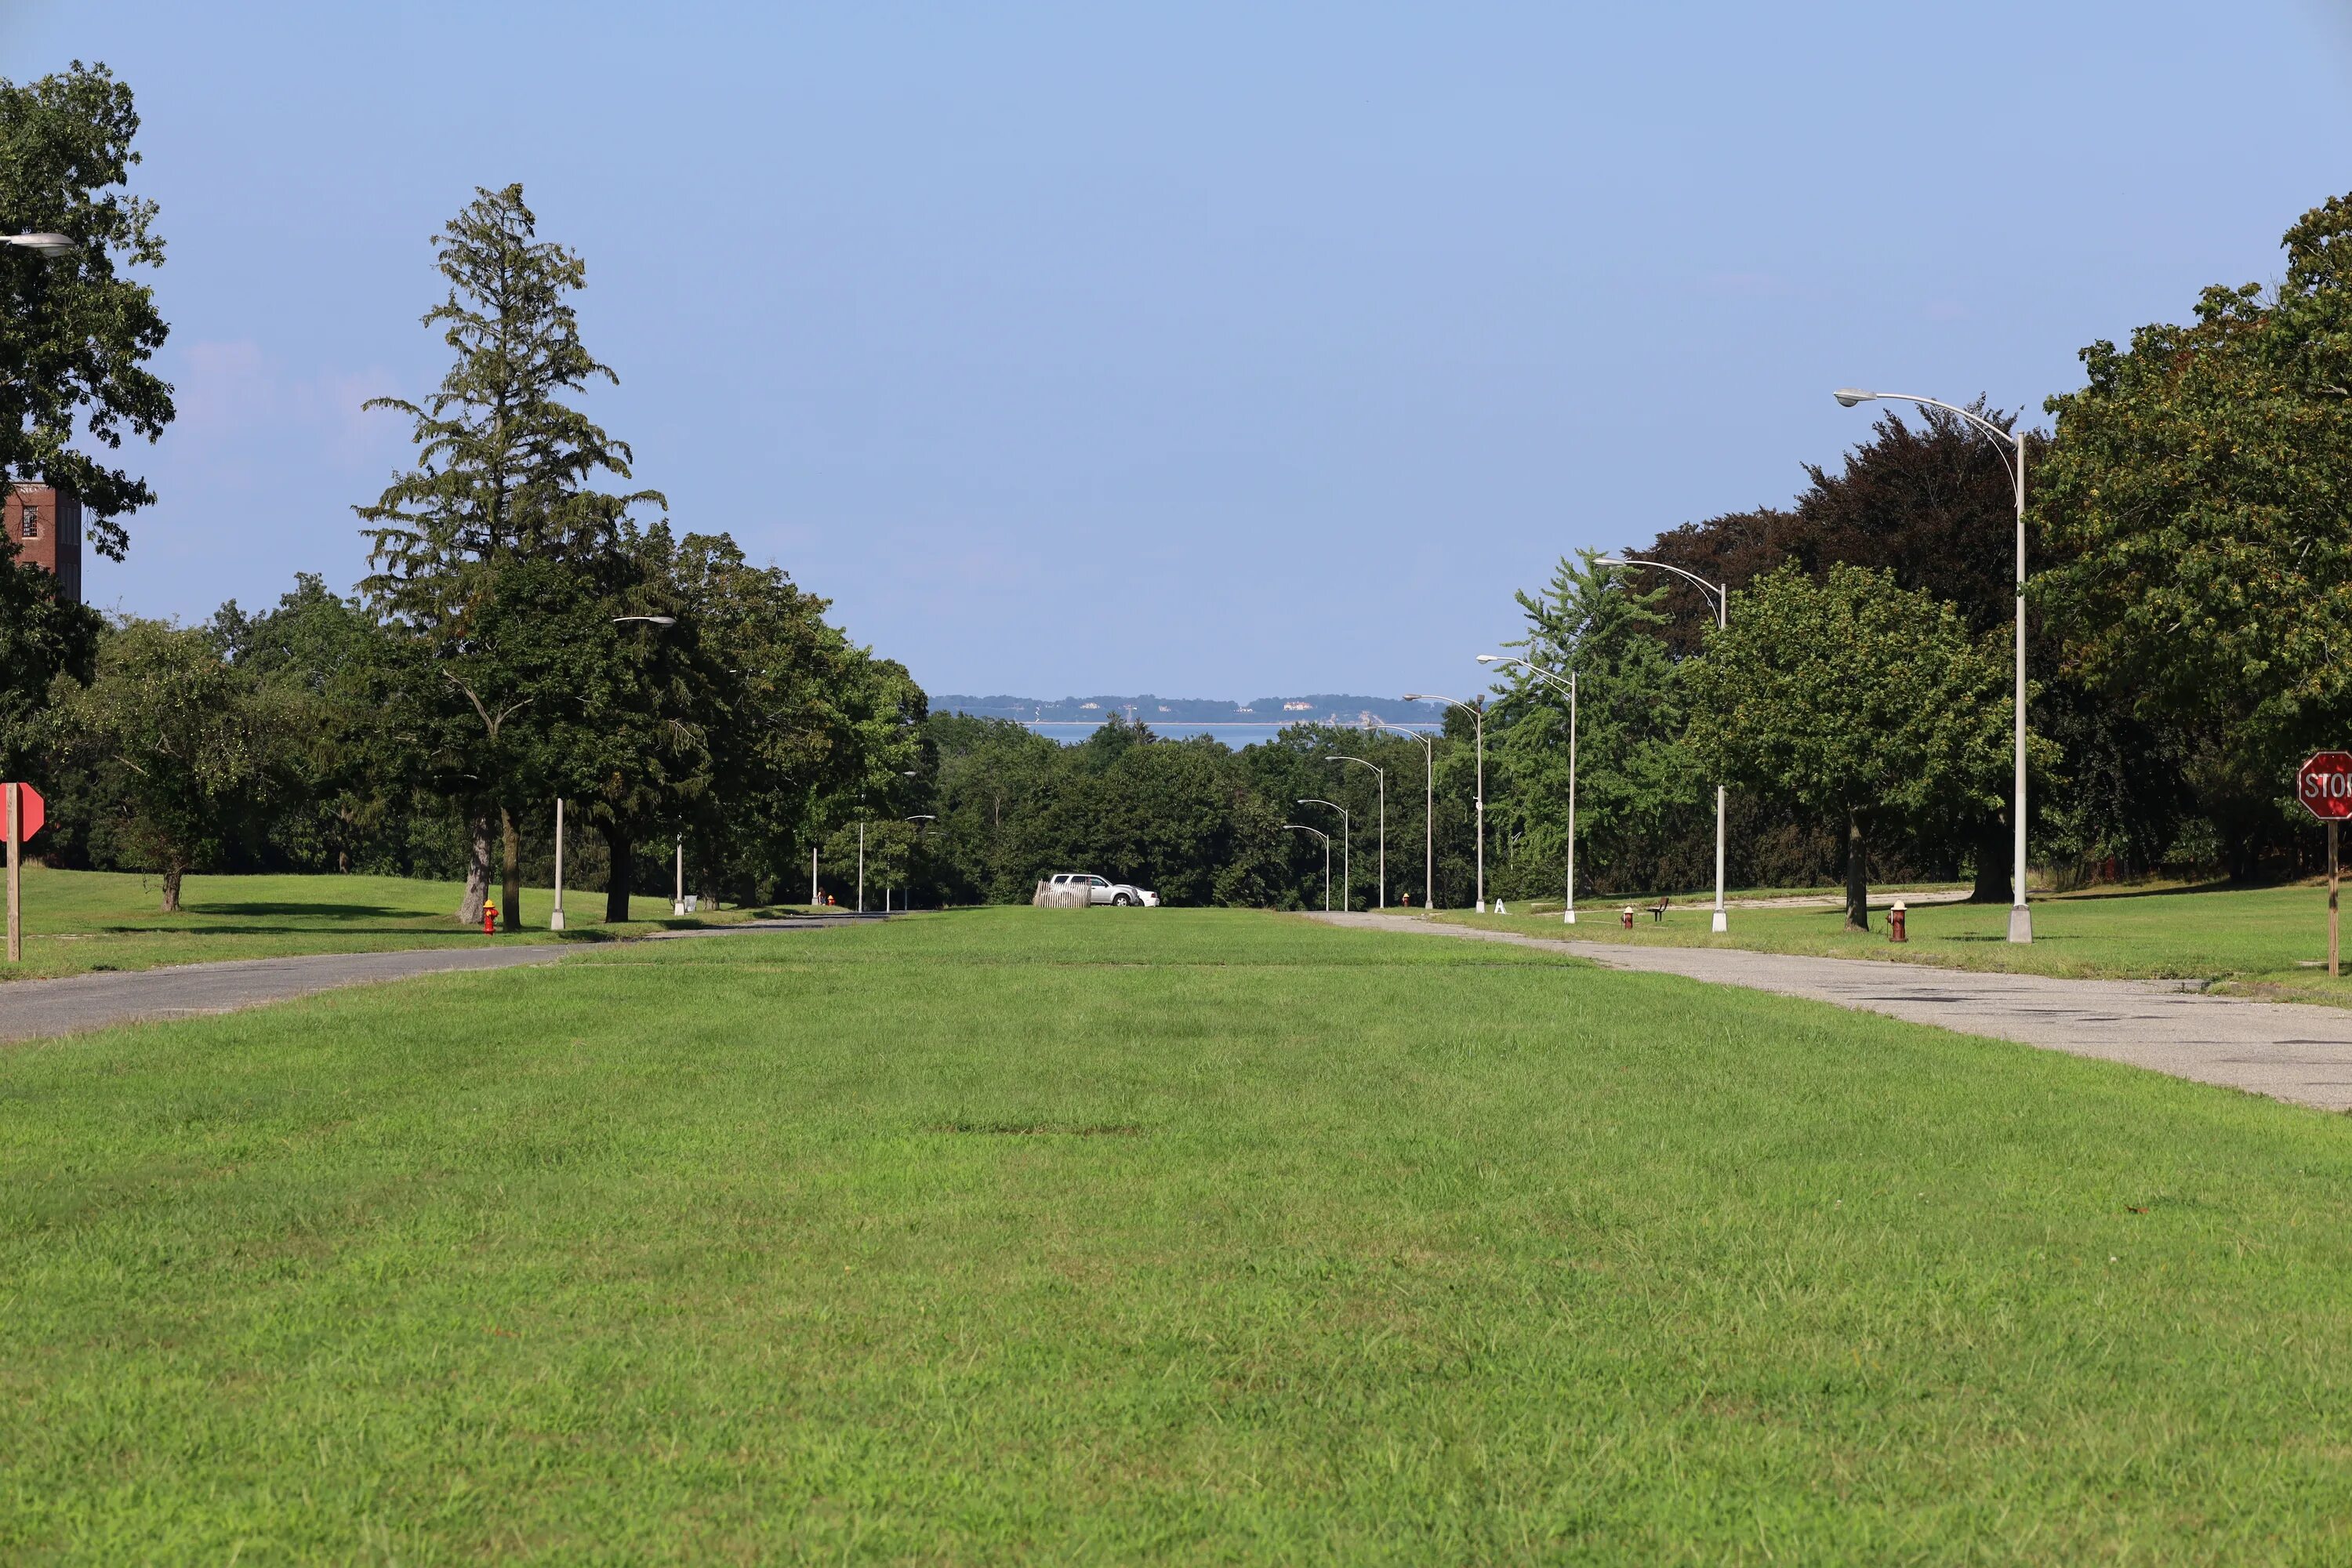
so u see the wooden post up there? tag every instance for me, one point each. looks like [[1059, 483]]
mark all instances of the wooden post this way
[[16, 874], [2331, 897], [555, 920]]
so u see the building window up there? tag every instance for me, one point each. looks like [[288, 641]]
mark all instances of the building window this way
[[32, 529]]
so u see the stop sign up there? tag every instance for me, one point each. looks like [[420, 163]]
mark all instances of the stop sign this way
[[2324, 785], [30, 811]]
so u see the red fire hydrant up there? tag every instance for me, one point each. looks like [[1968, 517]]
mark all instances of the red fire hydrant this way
[[1625, 917], [1895, 923], [490, 920]]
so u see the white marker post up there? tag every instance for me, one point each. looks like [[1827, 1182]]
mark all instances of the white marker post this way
[[555, 920]]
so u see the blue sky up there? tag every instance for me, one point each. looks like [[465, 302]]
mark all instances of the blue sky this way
[[1210, 349]]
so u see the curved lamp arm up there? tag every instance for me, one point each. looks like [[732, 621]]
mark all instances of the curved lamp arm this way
[[1718, 594], [1478, 713], [1849, 395], [1538, 671]]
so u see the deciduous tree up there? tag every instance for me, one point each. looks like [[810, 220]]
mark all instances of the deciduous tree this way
[[194, 737], [1852, 696], [76, 331], [2197, 490]]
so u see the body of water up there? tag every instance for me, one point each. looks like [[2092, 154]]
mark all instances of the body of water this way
[[1070, 731]]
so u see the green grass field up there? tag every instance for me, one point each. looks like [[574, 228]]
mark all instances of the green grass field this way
[[76, 922], [1181, 1235], [2260, 942]]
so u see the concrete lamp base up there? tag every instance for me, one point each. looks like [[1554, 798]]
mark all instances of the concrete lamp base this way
[[2020, 923], [1720, 924]]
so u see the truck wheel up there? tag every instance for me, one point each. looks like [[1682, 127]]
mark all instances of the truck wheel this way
[[1121, 900]]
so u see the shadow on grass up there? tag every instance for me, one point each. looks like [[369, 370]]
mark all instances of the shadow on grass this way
[[329, 911], [2039, 938], [209, 928], [2223, 886]]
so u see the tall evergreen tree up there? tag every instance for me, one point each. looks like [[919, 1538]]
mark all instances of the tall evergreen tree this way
[[506, 473]]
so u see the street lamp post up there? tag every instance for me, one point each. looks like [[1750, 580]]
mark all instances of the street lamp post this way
[[1720, 595], [1428, 809], [1302, 827], [1346, 838], [2020, 918], [919, 819], [904, 773], [1568, 911], [1478, 722], [1382, 774]]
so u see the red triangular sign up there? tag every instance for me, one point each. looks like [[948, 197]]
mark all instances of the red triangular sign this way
[[31, 811]]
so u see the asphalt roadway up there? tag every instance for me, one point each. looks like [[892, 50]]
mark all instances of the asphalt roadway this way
[[2287, 1050], [37, 1009]]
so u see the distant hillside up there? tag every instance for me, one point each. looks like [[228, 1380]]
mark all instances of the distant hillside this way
[[1317, 708]]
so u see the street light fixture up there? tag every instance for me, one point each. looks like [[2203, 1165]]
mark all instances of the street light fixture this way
[[1568, 911], [1478, 720], [1302, 827], [1347, 839], [1428, 808], [1720, 595], [1382, 774], [2020, 918], [904, 773], [51, 246], [649, 620]]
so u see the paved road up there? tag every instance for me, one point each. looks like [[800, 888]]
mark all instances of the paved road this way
[[34, 1009], [2287, 1050]]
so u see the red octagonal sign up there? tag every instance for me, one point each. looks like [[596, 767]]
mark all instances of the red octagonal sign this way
[[2324, 785]]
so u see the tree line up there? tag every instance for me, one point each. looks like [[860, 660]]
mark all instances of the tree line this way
[[530, 627], [533, 627]]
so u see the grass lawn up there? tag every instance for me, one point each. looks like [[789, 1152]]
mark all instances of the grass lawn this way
[[76, 922], [1182, 1235], [2262, 941]]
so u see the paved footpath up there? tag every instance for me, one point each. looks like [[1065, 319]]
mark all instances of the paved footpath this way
[[2287, 1050], [34, 1009]]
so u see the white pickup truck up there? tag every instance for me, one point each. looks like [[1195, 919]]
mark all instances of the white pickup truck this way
[[1102, 891]]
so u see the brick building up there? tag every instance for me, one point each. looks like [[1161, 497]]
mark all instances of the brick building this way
[[46, 523]]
